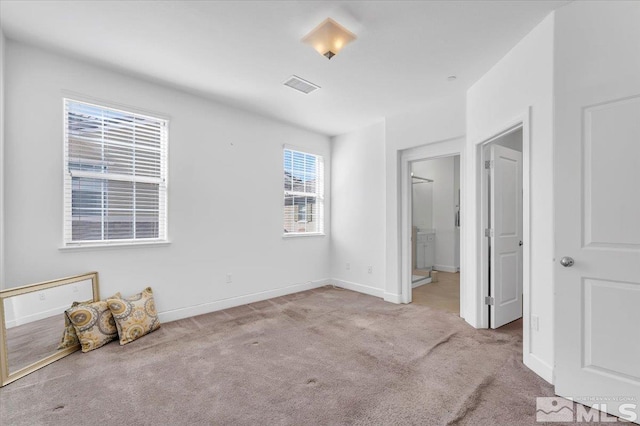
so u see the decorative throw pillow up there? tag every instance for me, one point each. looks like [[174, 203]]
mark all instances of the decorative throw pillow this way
[[93, 323], [69, 336], [135, 316]]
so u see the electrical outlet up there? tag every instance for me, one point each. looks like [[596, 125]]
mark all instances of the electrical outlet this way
[[370, 269], [41, 295], [229, 278], [348, 266], [535, 323]]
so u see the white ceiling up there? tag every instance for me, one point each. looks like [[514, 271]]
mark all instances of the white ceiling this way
[[240, 52]]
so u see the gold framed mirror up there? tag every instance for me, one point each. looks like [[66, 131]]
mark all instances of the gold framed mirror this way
[[33, 322]]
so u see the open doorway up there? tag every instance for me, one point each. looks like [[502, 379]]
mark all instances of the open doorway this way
[[435, 232], [443, 149]]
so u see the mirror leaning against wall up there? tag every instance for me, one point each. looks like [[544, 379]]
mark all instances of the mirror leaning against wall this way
[[33, 323]]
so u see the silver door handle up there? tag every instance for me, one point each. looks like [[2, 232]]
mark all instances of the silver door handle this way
[[567, 262]]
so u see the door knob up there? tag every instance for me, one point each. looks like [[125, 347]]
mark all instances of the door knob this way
[[567, 261]]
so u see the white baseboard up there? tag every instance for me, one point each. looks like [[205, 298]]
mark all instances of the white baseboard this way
[[37, 316], [539, 367], [393, 298], [426, 280], [360, 288], [445, 268], [232, 302]]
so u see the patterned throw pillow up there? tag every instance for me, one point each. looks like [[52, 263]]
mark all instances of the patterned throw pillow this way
[[94, 324], [135, 316], [69, 337]]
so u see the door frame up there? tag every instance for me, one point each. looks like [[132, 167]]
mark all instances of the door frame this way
[[482, 249], [440, 149]]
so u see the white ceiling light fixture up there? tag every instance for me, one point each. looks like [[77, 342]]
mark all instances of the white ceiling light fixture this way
[[329, 38]]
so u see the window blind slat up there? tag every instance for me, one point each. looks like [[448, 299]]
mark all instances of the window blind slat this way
[[99, 139], [115, 179], [303, 192]]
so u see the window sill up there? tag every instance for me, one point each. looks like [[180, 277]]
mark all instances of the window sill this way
[[103, 246], [306, 234]]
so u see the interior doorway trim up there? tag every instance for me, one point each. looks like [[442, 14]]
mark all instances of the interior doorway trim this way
[[445, 148], [481, 276]]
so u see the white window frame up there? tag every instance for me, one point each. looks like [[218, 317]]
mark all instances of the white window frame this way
[[318, 211], [162, 181]]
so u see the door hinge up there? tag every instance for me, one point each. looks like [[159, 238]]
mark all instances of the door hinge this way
[[488, 164], [488, 232], [489, 300]]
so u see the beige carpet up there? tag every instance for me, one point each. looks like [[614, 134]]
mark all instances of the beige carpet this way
[[326, 356]]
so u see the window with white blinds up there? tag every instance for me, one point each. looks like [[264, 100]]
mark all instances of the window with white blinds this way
[[303, 193], [115, 177]]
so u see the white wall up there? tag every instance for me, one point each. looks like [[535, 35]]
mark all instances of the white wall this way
[[421, 198], [215, 153], [441, 120], [365, 213], [2, 180], [523, 79], [443, 214], [358, 209], [442, 207]]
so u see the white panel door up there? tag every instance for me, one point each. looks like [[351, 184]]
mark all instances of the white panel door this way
[[598, 228], [505, 214], [597, 209]]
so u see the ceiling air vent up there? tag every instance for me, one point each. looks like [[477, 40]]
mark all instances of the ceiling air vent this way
[[301, 85]]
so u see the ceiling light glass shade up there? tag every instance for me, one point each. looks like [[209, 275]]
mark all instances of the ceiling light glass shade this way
[[329, 38]]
